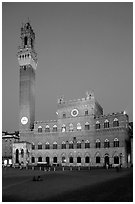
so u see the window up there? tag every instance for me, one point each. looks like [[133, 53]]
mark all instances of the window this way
[[115, 122], [106, 143], [25, 40], [63, 146], [63, 129], [22, 153], [39, 159], [87, 159], [63, 159], [79, 126], [98, 143], [70, 127], [97, 125], [39, 146], [54, 159], [71, 159], [78, 145], [47, 146], [116, 160], [86, 112], [64, 115], [71, 145], [33, 146], [55, 128], [116, 142], [55, 145], [78, 159], [47, 128], [39, 129], [97, 159], [106, 124], [87, 126], [33, 159], [87, 144]]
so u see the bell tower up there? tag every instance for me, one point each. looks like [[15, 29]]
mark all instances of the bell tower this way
[[27, 59]]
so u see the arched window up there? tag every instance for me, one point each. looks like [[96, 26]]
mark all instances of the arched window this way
[[97, 125], [71, 146], [63, 146], [39, 129], [115, 122], [55, 128], [87, 126], [55, 145], [86, 112], [79, 159], [106, 124], [116, 160], [116, 142], [97, 159], [78, 145], [47, 128], [47, 145], [106, 143], [32, 159], [40, 159], [22, 153], [87, 144], [98, 143], [63, 159], [55, 160], [79, 126], [70, 127], [87, 159], [63, 129], [71, 159], [39, 146], [33, 146]]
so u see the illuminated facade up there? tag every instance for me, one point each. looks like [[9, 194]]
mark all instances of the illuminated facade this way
[[81, 135]]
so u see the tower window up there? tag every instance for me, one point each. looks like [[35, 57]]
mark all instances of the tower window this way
[[86, 112], [25, 40]]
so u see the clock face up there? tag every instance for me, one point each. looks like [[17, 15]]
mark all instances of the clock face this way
[[74, 112], [24, 120]]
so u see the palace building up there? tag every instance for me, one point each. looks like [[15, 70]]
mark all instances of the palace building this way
[[81, 136]]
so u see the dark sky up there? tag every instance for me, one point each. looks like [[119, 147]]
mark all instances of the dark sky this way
[[80, 47]]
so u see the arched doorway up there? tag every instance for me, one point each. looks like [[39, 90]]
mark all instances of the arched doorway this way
[[17, 156], [106, 160], [48, 160]]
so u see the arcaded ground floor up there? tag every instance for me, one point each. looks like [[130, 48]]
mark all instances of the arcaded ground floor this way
[[94, 185]]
